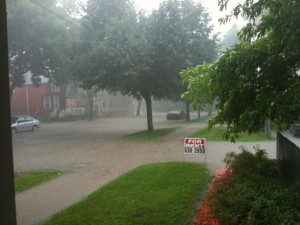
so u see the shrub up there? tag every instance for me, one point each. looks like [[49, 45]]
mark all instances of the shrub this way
[[247, 165], [255, 194]]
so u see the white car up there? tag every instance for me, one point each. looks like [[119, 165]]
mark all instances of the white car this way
[[24, 123]]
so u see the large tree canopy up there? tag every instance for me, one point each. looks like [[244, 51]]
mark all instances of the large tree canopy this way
[[259, 78], [142, 55], [183, 38], [37, 40]]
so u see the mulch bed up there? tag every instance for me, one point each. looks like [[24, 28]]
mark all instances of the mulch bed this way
[[205, 215]]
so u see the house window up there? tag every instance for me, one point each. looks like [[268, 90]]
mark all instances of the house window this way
[[47, 102], [55, 88], [56, 102]]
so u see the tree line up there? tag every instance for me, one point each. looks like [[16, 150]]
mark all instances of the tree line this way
[[257, 79], [109, 45], [116, 47]]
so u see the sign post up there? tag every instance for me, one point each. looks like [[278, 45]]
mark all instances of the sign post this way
[[195, 146]]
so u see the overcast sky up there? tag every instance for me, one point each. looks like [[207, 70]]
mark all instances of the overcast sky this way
[[211, 7]]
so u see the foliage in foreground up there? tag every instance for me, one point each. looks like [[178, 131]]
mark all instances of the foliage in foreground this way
[[32, 179], [257, 79], [149, 136], [218, 134], [160, 194], [255, 194]]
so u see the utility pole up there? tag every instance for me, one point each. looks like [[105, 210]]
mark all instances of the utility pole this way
[[7, 189], [27, 99]]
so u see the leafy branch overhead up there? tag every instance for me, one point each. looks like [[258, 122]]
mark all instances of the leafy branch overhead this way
[[258, 78]]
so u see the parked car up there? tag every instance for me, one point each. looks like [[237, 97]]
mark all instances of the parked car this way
[[24, 123], [295, 129], [175, 115]]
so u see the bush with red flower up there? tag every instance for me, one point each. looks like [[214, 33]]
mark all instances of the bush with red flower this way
[[255, 193]]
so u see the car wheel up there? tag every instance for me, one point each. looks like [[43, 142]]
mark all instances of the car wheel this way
[[34, 128]]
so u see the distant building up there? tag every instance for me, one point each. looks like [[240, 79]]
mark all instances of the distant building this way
[[113, 104], [40, 101], [48, 99], [105, 104], [76, 101]]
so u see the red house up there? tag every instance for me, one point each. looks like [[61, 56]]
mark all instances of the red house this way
[[48, 99]]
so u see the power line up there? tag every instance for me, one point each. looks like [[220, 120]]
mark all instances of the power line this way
[[57, 14]]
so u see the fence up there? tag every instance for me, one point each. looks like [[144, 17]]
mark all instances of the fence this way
[[75, 111], [288, 154]]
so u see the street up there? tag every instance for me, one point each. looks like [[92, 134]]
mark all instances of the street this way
[[67, 145], [91, 154]]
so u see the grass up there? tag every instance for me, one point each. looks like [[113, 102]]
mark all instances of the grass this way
[[149, 136], [160, 194], [202, 119], [216, 134], [31, 179]]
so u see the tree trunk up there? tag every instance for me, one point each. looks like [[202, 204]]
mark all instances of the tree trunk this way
[[90, 102], [199, 113], [268, 128], [138, 109], [148, 100], [209, 109], [187, 106]]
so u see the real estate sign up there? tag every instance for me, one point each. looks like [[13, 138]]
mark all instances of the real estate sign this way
[[194, 146]]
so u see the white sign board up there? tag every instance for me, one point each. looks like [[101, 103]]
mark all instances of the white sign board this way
[[194, 146]]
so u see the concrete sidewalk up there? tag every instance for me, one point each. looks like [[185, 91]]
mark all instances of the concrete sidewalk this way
[[109, 160]]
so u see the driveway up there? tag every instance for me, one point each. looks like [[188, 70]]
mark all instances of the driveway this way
[[92, 154]]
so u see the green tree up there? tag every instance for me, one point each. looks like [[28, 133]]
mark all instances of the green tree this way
[[259, 79], [117, 56], [138, 55], [36, 40], [199, 90], [183, 38]]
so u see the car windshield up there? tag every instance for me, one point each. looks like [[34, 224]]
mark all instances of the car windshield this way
[[14, 120]]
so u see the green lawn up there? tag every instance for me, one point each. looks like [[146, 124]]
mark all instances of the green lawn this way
[[202, 118], [149, 136], [216, 134], [31, 179], [156, 194]]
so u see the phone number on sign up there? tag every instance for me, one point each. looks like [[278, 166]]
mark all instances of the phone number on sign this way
[[189, 150]]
